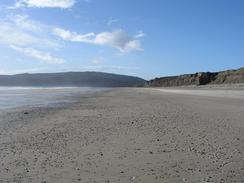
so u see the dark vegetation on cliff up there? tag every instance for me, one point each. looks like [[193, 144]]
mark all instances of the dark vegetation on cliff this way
[[201, 78], [81, 79]]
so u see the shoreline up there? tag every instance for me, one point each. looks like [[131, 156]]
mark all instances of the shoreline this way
[[125, 135], [36, 97]]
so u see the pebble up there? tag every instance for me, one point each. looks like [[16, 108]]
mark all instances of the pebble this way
[[184, 179]]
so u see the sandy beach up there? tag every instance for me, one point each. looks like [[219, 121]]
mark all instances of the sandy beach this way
[[142, 135]]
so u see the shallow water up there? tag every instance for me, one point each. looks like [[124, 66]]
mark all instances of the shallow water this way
[[12, 97]]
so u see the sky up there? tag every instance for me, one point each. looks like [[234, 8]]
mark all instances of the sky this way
[[134, 37]]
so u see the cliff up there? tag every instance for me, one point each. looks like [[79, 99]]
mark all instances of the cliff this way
[[201, 78]]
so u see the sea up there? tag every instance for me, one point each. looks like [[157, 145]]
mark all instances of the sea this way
[[15, 97]]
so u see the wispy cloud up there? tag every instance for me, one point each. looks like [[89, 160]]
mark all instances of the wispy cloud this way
[[21, 31], [24, 22], [45, 3], [140, 34], [118, 39], [73, 36], [112, 21], [43, 57], [26, 70], [27, 36], [98, 61], [102, 64], [108, 67], [9, 35]]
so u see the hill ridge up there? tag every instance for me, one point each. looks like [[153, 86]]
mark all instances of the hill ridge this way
[[81, 79]]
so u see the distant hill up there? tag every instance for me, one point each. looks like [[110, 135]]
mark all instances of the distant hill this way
[[201, 78], [86, 79]]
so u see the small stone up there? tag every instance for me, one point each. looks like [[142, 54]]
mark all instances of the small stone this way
[[184, 179]]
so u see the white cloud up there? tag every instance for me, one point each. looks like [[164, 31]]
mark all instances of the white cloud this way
[[45, 3], [19, 30], [9, 35], [38, 55], [140, 34], [24, 22], [72, 36], [26, 36], [118, 39], [112, 21]]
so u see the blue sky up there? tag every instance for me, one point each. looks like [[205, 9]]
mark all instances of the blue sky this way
[[136, 37]]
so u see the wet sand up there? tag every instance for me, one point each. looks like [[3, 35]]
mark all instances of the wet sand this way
[[126, 135]]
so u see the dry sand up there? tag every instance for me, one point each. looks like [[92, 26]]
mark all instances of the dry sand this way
[[126, 135]]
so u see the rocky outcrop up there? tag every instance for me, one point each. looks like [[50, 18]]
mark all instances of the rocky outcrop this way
[[202, 78], [230, 76]]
